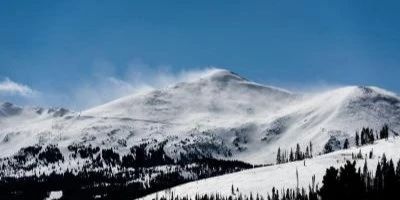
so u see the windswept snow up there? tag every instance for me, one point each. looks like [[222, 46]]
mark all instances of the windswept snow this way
[[219, 114]]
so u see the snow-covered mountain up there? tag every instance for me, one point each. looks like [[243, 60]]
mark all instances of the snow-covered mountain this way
[[220, 114]]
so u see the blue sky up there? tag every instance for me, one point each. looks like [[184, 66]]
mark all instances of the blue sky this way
[[63, 53]]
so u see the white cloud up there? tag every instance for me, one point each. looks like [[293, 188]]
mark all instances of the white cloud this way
[[9, 87], [105, 87], [104, 84]]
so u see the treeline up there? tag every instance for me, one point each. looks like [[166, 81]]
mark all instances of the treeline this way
[[368, 136], [347, 183], [90, 158], [108, 175], [139, 156], [284, 156], [85, 185]]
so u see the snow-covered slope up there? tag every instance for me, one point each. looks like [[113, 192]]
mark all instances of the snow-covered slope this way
[[219, 114], [283, 176], [215, 95]]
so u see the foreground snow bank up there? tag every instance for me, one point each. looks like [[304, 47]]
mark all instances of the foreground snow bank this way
[[262, 180]]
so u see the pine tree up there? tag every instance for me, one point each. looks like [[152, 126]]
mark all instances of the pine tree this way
[[346, 144], [371, 153], [398, 169], [278, 156], [357, 139], [384, 133], [365, 170], [307, 155], [390, 179], [298, 152], [378, 178], [371, 136], [383, 159], [329, 190], [359, 155]]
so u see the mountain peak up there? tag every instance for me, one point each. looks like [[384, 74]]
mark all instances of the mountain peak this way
[[221, 75], [9, 109], [370, 90]]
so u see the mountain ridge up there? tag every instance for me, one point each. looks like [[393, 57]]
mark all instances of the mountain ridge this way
[[219, 114]]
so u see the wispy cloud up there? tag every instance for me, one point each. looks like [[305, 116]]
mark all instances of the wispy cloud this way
[[9, 87], [103, 85], [137, 78]]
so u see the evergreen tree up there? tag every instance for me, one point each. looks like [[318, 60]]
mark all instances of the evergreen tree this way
[[398, 170], [350, 183], [371, 154], [384, 133], [390, 180], [298, 152], [378, 179], [357, 139], [346, 144], [371, 136], [307, 155], [365, 170], [278, 156], [329, 190]]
